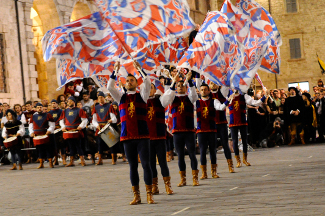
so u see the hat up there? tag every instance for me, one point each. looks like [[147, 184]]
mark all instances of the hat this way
[[294, 88], [13, 113], [55, 101], [72, 98], [115, 103], [100, 93], [39, 104], [307, 95]]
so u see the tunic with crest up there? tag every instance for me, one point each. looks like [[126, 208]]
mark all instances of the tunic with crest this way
[[102, 112], [40, 122], [56, 114], [182, 111], [72, 117], [206, 116], [156, 119], [220, 115]]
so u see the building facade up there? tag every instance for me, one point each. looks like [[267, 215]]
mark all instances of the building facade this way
[[299, 22]]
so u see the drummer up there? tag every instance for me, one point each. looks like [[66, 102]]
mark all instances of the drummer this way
[[74, 119], [58, 140], [102, 114], [41, 124], [14, 128], [28, 114]]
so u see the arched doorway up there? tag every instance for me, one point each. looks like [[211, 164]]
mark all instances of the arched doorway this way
[[80, 10]]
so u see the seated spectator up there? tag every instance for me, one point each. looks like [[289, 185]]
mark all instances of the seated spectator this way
[[272, 135]]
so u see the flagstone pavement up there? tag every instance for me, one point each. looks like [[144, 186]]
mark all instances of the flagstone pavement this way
[[281, 181]]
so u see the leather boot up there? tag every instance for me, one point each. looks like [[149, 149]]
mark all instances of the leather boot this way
[[100, 160], [149, 194], [167, 157], [230, 165], [136, 193], [183, 179], [55, 161], [155, 189], [195, 174], [29, 159], [302, 138], [139, 161], [14, 167], [64, 159], [82, 161], [245, 159], [71, 162], [292, 140], [204, 172], [41, 164], [114, 158], [214, 170], [168, 185], [238, 161], [51, 163], [171, 153], [20, 166], [124, 157]]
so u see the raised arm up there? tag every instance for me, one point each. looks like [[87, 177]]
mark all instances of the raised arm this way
[[169, 95], [146, 85], [192, 93], [116, 95], [249, 100]]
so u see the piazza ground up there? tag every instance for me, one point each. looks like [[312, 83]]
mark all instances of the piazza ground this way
[[281, 181]]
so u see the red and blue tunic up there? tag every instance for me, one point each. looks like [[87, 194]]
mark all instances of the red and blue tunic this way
[[40, 122], [237, 110], [72, 117], [102, 112], [133, 115], [206, 115], [156, 119], [56, 114], [182, 111], [220, 115]]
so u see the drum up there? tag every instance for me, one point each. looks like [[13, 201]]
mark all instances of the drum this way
[[10, 142], [57, 130], [40, 140], [71, 135], [109, 135]]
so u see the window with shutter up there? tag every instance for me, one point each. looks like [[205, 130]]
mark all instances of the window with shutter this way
[[295, 49], [2, 66], [291, 6]]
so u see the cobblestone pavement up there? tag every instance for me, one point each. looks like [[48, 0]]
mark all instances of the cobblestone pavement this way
[[281, 181]]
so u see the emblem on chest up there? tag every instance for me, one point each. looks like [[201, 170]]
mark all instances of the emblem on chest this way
[[236, 106], [131, 109], [71, 113], [205, 112], [39, 117], [102, 110], [55, 115], [181, 108], [151, 112]]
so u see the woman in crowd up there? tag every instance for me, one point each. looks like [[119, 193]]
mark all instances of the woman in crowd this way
[[61, 98], [14, 128]]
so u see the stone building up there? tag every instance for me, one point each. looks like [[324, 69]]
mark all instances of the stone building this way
[[299, 22]]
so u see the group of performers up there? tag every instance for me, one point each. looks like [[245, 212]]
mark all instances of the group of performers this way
[[141, 118]]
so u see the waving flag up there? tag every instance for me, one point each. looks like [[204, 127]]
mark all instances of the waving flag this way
[[214, 52], [259, 80]]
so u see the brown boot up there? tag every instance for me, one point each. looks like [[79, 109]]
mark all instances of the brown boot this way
[[114, 157], [195, 174], [245, 159], [71, 162], [167, 157], [100, 160], [55, 161], [292, 140], [41, 164], [51, 163], [20, 166], [136, 198], [64, 159], [14, 167], [149, 194], [168, 185], [204, 172], [29, 159], [124, 157], [302, 138], [139, 161], [155, 189], [238, 161], [183, 179], [82, 161], [214, 170], [230, 165]]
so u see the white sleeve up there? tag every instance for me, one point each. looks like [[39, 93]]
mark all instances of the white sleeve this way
[[23, 119], [78, 88], [116, 95], [198, 82], [193, 95], [224, 91], [4, 133], [51, 127], [250, 101], [84, 122], [94, 121], [113, 117], [21, 130], [167, 98], [31, 128], [145, 89], [219, 106], [76, 94], [61, 122]]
